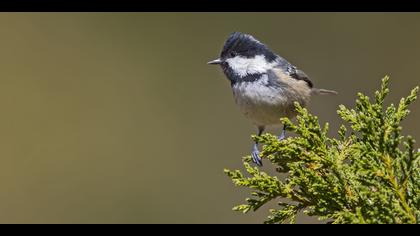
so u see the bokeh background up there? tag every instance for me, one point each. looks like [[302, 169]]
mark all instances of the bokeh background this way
[[117, 118]]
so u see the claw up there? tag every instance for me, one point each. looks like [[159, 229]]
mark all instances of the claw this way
[[283, 134], [256, 155], [281, 137]]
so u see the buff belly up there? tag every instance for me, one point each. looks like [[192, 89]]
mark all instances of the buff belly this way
[[264, 105]]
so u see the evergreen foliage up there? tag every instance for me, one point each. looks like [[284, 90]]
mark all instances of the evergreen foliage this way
[[369, 174]]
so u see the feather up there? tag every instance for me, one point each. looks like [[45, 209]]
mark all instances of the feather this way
[[300, 75], [318, 91]]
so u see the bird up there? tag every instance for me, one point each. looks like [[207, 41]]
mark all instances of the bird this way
[[265, 85]]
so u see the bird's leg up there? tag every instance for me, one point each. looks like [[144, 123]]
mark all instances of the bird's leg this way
[[255, 152], [283, 133]]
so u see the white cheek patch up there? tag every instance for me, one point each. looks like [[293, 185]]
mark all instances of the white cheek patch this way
[[244, 66]]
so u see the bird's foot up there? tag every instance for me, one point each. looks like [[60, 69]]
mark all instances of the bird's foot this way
[[281, 137], [283, 134], [256, 155]]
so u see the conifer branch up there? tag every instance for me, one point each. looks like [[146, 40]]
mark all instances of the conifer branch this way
[[368, 175]]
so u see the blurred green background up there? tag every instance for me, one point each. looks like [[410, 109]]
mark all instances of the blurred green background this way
[[117, 118]]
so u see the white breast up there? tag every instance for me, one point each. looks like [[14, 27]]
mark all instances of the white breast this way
[[261, 103]]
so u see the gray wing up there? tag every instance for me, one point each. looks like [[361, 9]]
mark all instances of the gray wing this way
[[294, 72], [300, 75]]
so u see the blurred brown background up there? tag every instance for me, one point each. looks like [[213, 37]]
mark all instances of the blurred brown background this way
[[116, 118]]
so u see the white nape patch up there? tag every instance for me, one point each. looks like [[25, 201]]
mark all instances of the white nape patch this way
[[243, 66]]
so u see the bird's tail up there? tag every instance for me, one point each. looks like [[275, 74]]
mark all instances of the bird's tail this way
[[318, 91]]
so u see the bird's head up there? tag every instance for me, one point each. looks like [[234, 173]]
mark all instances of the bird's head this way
[[243, 56]]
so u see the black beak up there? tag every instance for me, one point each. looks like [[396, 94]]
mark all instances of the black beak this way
[[218, 61]]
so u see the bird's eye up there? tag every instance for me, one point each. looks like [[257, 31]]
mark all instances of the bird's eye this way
[[233, 54]]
